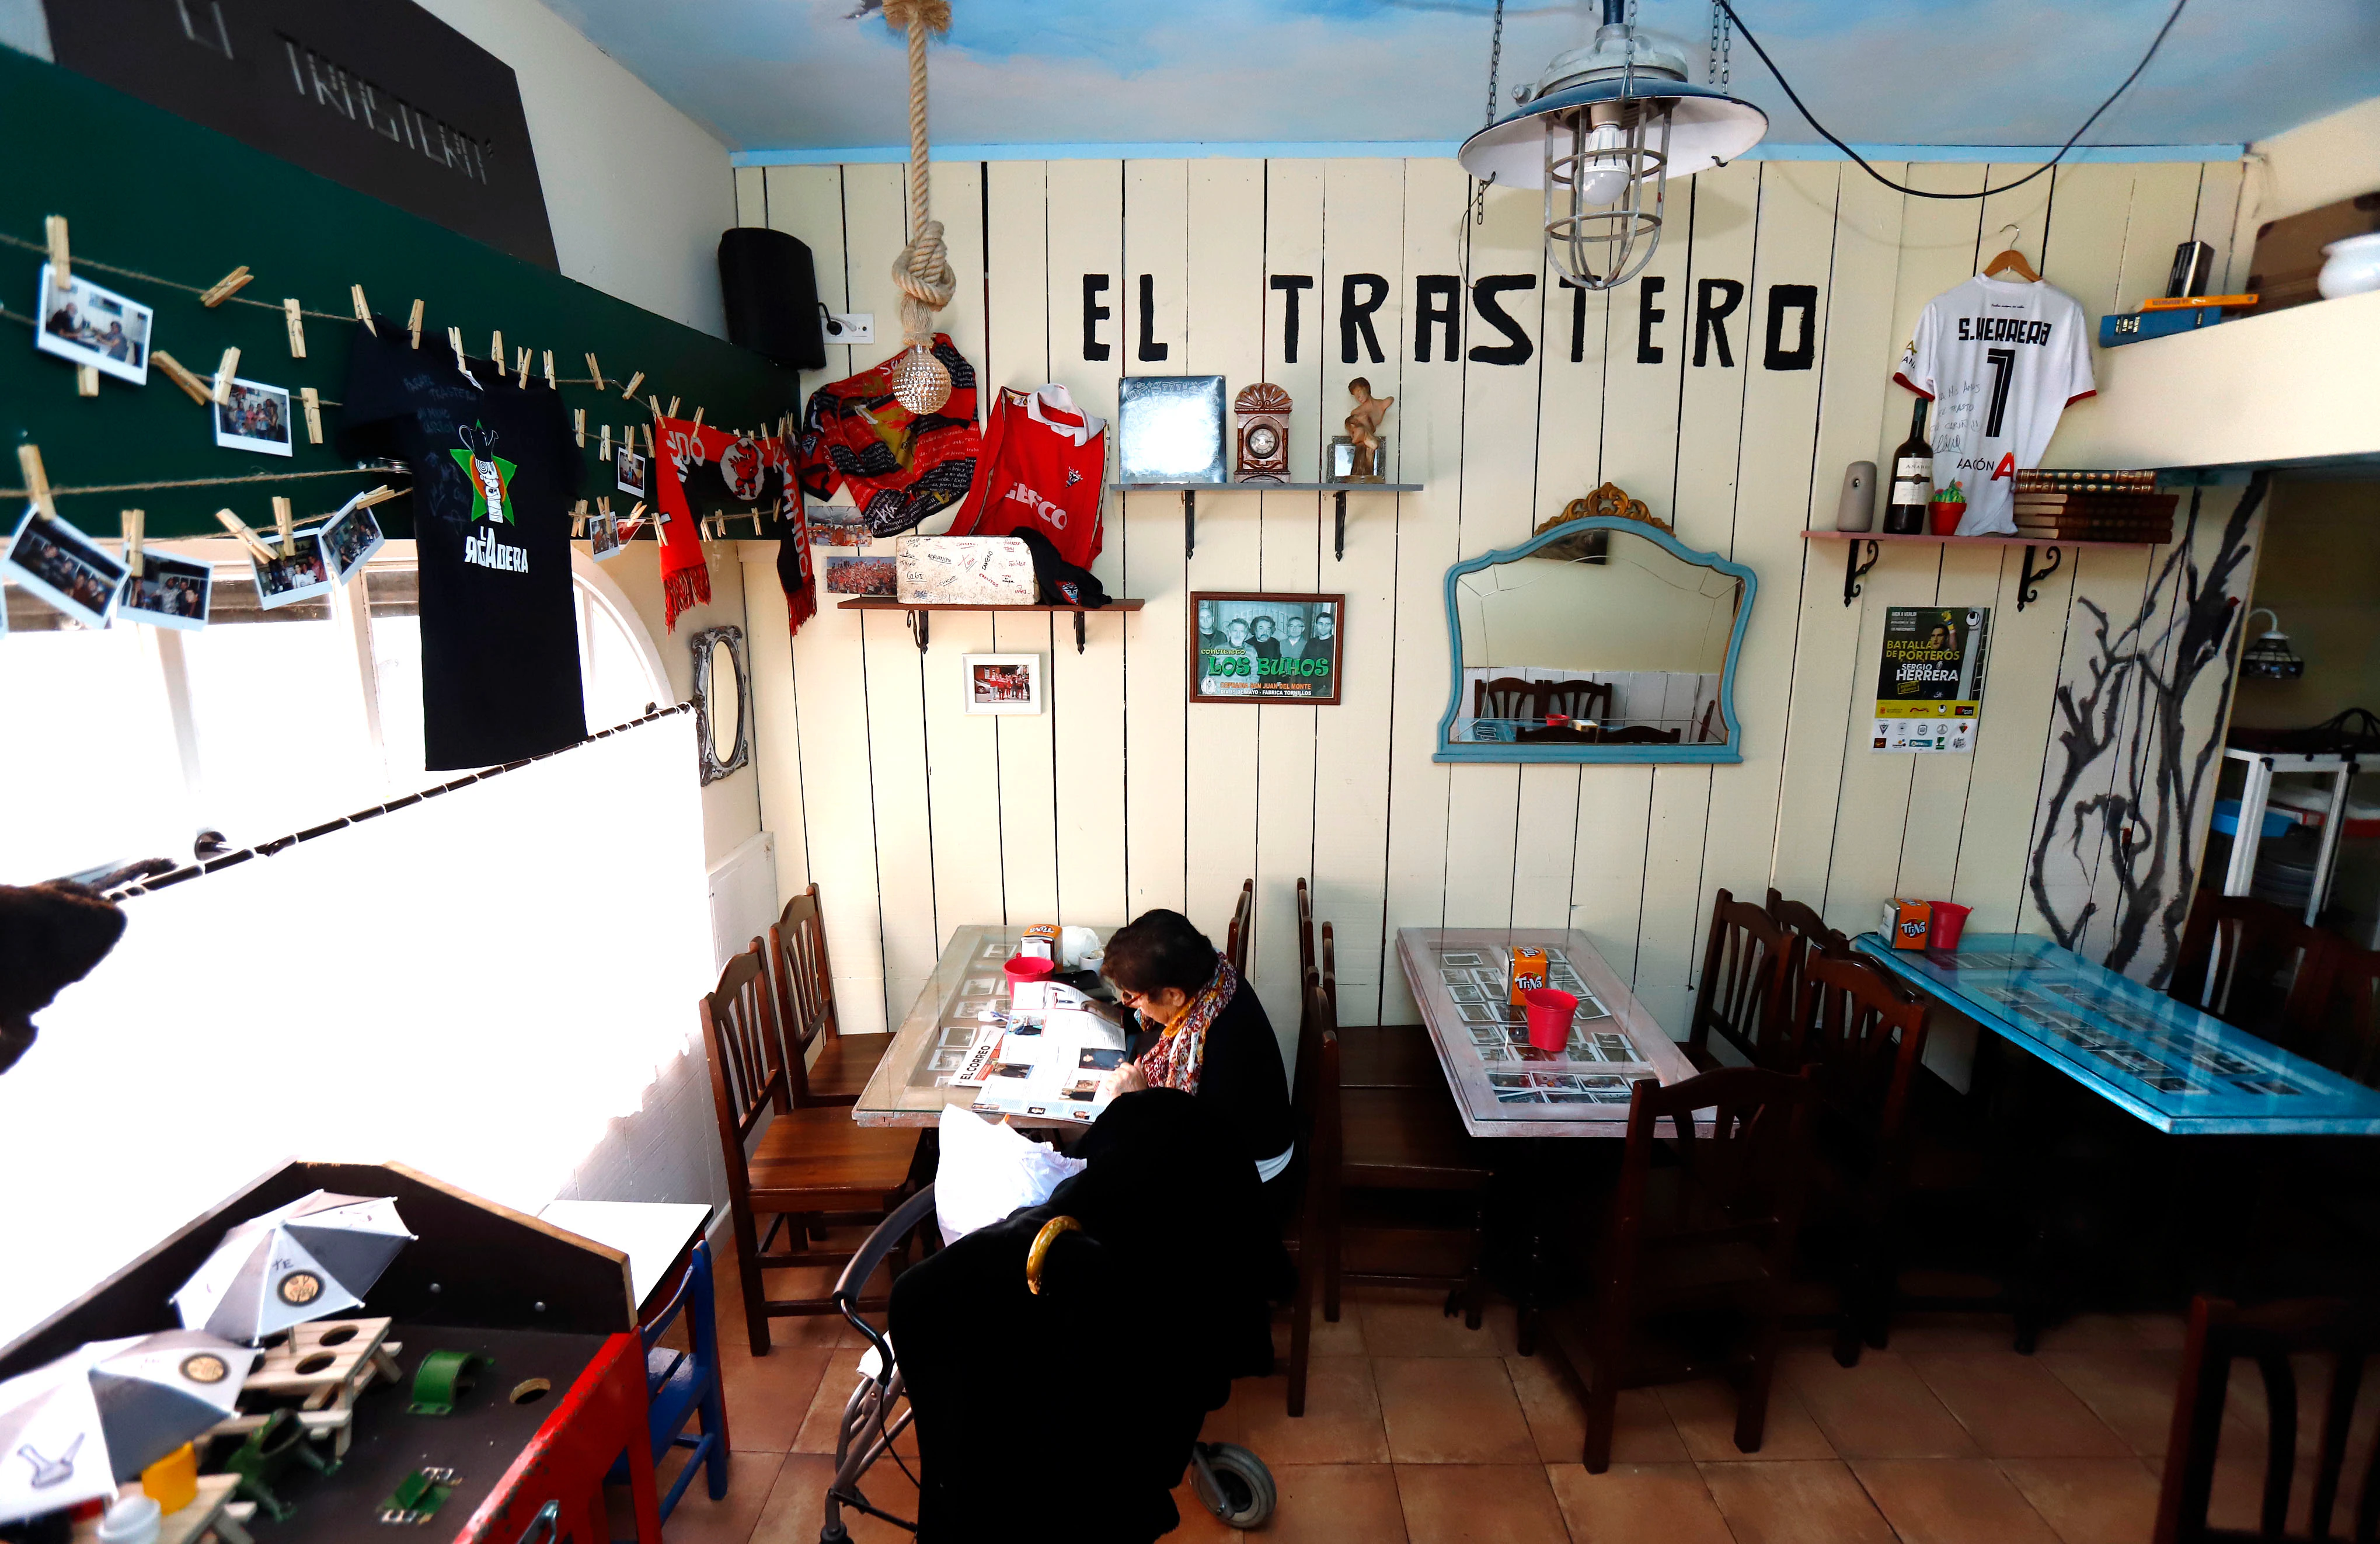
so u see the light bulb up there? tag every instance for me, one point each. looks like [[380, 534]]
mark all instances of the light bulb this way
[[1602, 170]]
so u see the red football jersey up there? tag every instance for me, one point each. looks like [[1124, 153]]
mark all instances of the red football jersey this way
[[1042, 468]]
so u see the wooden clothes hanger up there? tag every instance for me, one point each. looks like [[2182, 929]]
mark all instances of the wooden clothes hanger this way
[[2009, 258]]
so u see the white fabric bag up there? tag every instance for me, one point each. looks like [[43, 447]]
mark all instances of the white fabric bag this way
[[989, 1170]]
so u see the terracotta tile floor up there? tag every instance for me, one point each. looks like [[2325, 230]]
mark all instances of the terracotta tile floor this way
[[1417, 1429]]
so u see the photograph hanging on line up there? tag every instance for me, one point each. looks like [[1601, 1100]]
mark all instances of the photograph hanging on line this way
[[862, 576], [286, 580], [93, 326], [64, 567], [603, 536], [1251, 647], [253, 416], [169, 593], [350, 537], [628, 472], [1002, 683]]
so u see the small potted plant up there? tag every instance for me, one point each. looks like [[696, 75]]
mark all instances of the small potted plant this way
[[1949, 507]]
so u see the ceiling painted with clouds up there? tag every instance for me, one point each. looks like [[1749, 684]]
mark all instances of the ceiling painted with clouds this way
[[807, 75]]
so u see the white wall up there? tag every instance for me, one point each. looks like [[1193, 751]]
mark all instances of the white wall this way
[[636, 191], [2317, 163]]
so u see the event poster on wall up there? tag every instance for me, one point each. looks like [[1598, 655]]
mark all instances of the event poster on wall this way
[[1252, 647], [1929, 684]]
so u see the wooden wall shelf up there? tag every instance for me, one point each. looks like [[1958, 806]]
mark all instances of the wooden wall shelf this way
[[1190, 492], [918, 625], [1853, 569]]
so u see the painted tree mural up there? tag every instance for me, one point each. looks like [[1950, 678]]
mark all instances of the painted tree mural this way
[[2136, 745]]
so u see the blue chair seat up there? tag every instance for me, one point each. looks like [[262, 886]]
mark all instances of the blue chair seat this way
[[684, 1386]]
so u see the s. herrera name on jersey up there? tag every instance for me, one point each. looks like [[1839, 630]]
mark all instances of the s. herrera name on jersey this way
[[2004, 329], [483, 548]]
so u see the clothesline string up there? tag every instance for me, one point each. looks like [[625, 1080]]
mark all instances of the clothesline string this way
[[60, 491]]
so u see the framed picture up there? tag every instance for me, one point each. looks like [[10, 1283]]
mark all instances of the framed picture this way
[[1002, 683], [862, 576], [1251, 647]]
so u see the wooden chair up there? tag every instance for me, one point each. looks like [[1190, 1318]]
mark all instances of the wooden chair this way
[[809, 1164], [1806, 935], [2277, 1337], [805, 990], [2241, 960], [1639, 733], [1506, 696], [1241, 935], [1705, 1221], [2333, 1015], [1861, 1040], [1574, 699], [1741, 995], [1304, 930], [1710, 714], [1387, 1139], [1306, 1236], [1377, 1055]]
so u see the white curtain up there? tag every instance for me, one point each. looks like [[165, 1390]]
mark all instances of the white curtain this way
[[485, 986]]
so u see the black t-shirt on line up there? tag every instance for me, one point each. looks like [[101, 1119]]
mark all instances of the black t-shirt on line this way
[[494, 469]]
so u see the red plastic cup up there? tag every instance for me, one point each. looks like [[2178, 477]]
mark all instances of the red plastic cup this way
[[1551, 1012], [1949, 919], [1022, 969]]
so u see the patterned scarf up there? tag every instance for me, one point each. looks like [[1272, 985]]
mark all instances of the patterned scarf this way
[[1177, 1059]]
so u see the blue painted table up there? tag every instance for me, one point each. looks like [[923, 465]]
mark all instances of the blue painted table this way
[[2178, 1069]]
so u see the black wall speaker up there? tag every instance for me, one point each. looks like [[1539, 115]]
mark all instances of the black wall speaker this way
[[770, 287]]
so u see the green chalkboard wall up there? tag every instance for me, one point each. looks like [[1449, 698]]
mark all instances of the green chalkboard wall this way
[[145, 190]]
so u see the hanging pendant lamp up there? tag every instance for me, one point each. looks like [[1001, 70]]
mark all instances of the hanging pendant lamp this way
[[2270, 658], [1602, 132]]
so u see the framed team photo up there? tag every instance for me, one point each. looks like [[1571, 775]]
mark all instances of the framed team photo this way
[[1002, 683], [1254, 647], [64, 567], [93, 326], [169, 593], [253, 416]]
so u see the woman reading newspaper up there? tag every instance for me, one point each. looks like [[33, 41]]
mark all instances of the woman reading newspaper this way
[[1204, 1032]]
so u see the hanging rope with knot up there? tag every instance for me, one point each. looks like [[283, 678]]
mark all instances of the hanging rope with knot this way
[[920, 381]]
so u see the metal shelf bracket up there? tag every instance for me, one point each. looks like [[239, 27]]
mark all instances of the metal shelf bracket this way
[[2028, 581], [1854, 570]]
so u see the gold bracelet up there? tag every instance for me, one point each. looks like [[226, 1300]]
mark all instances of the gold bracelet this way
[[1041, 1250]]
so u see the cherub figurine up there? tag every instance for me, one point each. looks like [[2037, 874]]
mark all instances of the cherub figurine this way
[[1364, 428]]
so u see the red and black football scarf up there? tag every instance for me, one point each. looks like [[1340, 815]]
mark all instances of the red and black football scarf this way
[[700, 471]]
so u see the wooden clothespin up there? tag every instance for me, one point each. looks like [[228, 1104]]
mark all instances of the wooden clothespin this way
[[239, 527], [596, 371], [53, 229], [698, 415], [655, 404], [673, 412], [578, 521], [577, 422], [176, 372], [224, 372], [296, 316], [313, 400], [628, 392], [637, 519], [496, 348], [521, 368], [606, 452], [225, 287], [454, 342], [86, 379], [554, 383], [363, 310], [413, 324], [284, 523], [380, 495], [135, 563], [37, 482]]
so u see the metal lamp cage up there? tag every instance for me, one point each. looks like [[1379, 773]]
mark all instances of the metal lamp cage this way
[[1602, 246]]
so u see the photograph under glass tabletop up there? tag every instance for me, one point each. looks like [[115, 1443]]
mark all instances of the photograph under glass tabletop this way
[[2179, 1070]]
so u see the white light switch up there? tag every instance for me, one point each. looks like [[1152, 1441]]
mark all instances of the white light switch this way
[[851, 326]]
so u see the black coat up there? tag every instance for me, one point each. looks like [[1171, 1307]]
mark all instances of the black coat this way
[[1144, 1318], [1241, 1079]]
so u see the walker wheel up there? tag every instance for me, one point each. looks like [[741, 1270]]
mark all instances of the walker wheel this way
[[1244, 1482]]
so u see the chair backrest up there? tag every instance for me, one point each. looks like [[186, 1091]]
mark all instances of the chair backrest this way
[[1640, 734], [1710, 712], [1243, 930], [1860, 1038], [1574, 699], [1330, 973], [1807, 934], [694, 1285], [1305, 929], [2239, 959], [804, 980], [1505, 696], [2270, 1336], [748, 1074], [2333, 1015], [1742, 992], [1739, 1180]]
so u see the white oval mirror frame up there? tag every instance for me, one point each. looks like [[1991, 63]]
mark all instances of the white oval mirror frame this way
[[722, 701]]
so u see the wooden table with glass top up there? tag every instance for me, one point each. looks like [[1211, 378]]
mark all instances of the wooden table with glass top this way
[[912, 1082], [1502, 1085]]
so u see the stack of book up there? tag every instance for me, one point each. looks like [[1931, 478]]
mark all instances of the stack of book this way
[[2094, 506]]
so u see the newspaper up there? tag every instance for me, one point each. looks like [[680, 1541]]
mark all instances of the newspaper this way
[[1047, 1063]]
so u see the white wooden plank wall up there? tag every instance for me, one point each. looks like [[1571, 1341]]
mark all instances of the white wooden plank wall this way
[[915, 818]]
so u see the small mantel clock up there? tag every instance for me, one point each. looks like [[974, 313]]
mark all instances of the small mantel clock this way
[[1263, 413]]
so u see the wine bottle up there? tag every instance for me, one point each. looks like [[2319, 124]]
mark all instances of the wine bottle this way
[[1912, 478]]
